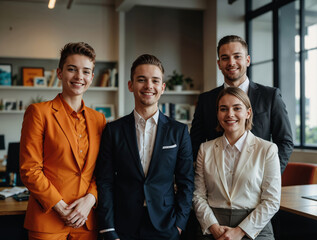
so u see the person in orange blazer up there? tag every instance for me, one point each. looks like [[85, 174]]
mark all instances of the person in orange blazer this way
[[58, 150]]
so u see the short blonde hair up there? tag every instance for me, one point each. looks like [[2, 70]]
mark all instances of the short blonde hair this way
[[243, 97]]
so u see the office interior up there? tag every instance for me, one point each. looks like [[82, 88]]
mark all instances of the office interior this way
[[183, 34]]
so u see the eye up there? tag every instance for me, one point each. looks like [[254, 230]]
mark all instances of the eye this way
[[238, 57], [71, 69], [87, 72], [141, 80], [224, 58], [222, 109], [156, 81], [237, 108]]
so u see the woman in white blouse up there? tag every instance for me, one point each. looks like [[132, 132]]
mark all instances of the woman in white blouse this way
[[237, 181]]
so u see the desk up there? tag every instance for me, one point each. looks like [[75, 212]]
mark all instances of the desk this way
[[9, 206], [292, 201]]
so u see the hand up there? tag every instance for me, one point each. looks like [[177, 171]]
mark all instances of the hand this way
[[179, 230], [79, 211], [60, 208], [217, 230], [232, 234]]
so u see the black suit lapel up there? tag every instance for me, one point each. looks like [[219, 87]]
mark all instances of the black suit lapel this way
[[130, 135], [158, 145], [254, 96]]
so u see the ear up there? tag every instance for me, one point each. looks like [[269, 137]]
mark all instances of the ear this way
[[249, 111], [248, 60], [218, 63], [130, 86], [163, 87], [59, 73]]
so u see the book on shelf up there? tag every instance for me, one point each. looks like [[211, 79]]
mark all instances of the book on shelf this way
[[109, 78], [178, 111], [104, 80], [52, 79]]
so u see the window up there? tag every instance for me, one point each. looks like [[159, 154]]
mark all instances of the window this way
[[282, 40]]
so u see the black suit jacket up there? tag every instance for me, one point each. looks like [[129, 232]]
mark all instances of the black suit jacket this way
[[123, 187], [270, 119]]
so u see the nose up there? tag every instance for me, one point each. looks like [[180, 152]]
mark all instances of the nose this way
[[148, 84], [79, 74], [232, 61], [230, 112]]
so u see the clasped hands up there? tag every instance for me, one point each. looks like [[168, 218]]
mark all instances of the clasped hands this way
[[226, 233], [75, 214]]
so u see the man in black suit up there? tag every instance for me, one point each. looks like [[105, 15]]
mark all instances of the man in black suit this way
[[142, 157], [270, 119]]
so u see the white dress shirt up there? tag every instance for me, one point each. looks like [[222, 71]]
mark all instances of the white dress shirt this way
[[145, 134], [231, 158], [244, 86]]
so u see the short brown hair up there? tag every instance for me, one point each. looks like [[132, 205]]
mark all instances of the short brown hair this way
[[80, 48], [146, 59], [232, 38], [243, 97]]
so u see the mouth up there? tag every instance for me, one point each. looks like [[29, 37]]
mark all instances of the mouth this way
[[77, 84], [231, 121], [148, 93]]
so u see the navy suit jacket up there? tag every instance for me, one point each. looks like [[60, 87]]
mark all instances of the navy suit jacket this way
[[123, 187], [270, 119]]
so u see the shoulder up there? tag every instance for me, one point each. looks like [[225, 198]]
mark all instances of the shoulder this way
[[41, 107], [212, 93], [264, 144], [264, 89], [94, 113]]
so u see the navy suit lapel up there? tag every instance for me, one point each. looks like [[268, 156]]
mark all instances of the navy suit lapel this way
[[158, 145], [130, 135]]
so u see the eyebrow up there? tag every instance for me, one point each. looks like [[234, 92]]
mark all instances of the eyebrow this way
[[71, 65], [234, 105], [142, 76]]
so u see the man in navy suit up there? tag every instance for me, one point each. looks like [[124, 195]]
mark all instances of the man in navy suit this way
[[270, 120], [144, 171]]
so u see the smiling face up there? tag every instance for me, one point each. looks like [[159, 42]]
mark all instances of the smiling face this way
[[76, 75], [232, 115], [147, 86], [233, 63]]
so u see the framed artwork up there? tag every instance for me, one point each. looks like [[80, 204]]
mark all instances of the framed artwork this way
[[29, 73], [106, 109], [10, 104], [5, 74], [40, 82], [182, 112]]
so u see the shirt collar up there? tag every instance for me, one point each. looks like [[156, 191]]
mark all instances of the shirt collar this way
[[239, 144], [138, 118], [243, 86], [68, 109]]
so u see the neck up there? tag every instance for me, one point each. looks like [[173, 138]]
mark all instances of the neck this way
[[233, 137], [146, 112], [237, 82], [74, 102]]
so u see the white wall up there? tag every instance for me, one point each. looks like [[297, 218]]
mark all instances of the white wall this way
[[32, 30]]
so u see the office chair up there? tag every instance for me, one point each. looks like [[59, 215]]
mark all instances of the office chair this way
[[13, 164], [297, 173]]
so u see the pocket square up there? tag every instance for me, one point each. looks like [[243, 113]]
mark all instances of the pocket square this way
[[171, 146]]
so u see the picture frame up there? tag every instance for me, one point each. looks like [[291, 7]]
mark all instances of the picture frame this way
[[29, 73], [182, 112], [5, 74], [106, 109], [10, 105], [40, 82]]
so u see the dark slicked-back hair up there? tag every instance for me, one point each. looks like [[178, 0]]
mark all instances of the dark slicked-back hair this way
[[243, 97], [232, 38], [80, 48], [146, 59]]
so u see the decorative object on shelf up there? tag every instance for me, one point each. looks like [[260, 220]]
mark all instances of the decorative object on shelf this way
[[10, 104], [29, 73], [5, 74], [177, 81], [40, 82], [38, 99], [178, 111], [106, 109]]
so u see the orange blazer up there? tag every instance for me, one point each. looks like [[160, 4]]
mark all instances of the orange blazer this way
[[48, 163]]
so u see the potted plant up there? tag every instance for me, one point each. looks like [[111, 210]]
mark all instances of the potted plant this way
[[176, 81]]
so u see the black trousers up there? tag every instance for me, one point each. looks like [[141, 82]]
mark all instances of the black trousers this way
[[147, 231]]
